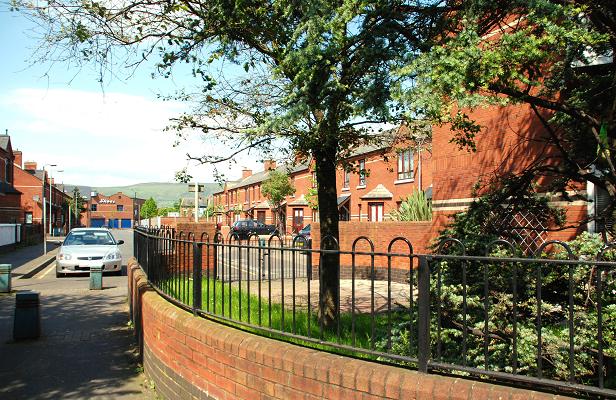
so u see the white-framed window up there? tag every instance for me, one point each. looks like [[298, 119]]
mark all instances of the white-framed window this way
[[298, 219], [314, 180], [375, 212], [405, 164], [362, 172], [347, 179]]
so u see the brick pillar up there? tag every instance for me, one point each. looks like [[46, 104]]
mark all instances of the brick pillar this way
[[198, 229]]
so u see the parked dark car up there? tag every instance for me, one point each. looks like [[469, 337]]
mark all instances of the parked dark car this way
[[246, 227], [305, 233]]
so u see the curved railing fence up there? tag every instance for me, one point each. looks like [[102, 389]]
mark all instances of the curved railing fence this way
[[543, 322]]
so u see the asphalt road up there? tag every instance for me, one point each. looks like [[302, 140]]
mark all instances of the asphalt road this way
[[46, 279], [86, 348], [255, 262]]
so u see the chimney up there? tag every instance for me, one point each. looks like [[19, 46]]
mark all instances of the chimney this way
[[269, 165], [18, 158], [246, 173], [30, 165]]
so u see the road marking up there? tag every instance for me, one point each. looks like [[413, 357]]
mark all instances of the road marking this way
[[47, 271]]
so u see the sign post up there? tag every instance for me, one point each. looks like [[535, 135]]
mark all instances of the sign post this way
[[196, 187]]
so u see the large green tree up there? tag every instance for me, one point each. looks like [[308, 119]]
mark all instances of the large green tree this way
[[555, 57], [149, 209], [76, 205], [307, 74]]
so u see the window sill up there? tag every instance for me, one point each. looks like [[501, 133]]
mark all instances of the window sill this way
[[402, 181], [360, 187]]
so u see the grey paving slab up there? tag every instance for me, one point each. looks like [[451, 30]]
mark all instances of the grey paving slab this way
[[86, 349]]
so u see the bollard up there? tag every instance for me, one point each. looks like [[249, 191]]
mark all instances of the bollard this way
[[96, 277], [5, 278], [27, 322]]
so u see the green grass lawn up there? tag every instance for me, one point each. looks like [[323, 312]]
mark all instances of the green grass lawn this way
[[221, 300]]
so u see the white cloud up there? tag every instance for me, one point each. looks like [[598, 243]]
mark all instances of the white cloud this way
[[102, 139]]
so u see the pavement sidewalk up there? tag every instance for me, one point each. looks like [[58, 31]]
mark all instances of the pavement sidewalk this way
[[86, 349], [27, 259]]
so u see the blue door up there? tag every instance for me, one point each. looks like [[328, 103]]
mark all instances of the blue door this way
[[114, 223], [126, 223], [97, 222]]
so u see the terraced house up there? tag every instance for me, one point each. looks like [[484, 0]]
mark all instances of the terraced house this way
[[33, 183], [374, 181], [10, 197]]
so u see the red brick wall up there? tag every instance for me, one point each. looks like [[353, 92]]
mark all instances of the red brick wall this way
[[509, 141], [200, 232], [173, 221], [189, 357], [503, 146], [420, 234], [10, 209]]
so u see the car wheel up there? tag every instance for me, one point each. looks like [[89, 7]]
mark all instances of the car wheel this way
[[59, 275]]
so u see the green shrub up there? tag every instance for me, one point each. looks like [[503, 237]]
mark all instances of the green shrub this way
[[416, 207]]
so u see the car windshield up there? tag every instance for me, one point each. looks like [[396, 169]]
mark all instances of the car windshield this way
[[86, 238]]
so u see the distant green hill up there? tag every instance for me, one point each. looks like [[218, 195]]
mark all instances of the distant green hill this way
[[164, 193]]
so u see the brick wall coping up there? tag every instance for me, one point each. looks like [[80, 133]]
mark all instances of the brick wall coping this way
[[191, 357]]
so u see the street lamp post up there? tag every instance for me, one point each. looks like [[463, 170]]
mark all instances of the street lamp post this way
[[75, 203], [44, 209]]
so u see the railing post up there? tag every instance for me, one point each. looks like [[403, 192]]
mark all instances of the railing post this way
[[147, 256], [135, 244], [197, 274], [423, 314], [309, 260], [214, 267]]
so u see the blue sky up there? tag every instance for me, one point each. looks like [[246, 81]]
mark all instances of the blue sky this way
[[98, 135]]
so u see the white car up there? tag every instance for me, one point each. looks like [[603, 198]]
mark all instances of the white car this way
[[85, 247]]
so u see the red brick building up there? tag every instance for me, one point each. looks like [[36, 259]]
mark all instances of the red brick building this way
[[115, 211], [32, 183], [379, 180], [10, 211], [512, 137]]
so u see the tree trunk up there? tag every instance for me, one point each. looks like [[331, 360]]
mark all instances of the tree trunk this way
[[329, 307]]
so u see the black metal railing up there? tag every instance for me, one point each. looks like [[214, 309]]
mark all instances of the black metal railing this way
[[545, 323]]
